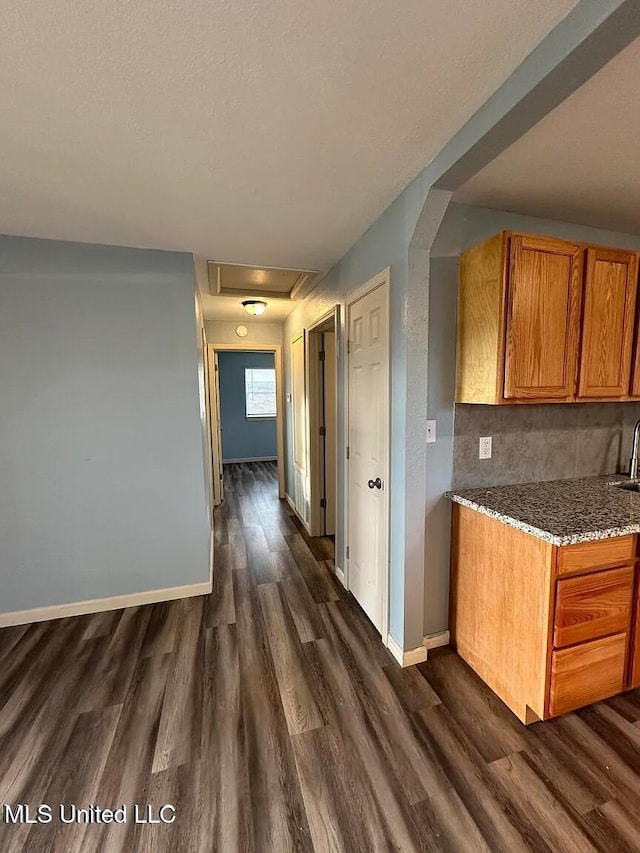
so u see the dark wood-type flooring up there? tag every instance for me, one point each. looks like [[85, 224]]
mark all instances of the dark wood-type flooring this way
[[272, 717]]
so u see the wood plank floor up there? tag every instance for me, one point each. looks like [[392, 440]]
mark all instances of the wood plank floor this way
[[272, 717]]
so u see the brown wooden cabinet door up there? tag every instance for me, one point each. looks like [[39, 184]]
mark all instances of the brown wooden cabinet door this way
[[543, 319], [635, 355], [634, 651], [607, 324]]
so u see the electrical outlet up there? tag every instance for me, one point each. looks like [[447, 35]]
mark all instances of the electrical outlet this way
[[431, 432], [484, 450]]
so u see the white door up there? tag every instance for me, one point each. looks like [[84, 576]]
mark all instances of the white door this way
[[299, 424], [368, 441], [216, 426], [329, 403]]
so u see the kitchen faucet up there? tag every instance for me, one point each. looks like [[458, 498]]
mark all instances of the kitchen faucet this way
[[634, 462]]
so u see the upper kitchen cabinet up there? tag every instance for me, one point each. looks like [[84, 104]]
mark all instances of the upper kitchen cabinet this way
[[518, 320], [545, 320], [607, 323]]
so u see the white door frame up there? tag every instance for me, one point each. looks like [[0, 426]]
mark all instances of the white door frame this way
[[213, 403], [380, 280], [209, 421], [313, 414], [276, 349], [300, 467]]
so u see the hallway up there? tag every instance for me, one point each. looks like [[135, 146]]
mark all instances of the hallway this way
[[272, 717]]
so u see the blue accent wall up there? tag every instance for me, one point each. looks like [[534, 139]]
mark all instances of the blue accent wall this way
[[243, 439], [102, 483]]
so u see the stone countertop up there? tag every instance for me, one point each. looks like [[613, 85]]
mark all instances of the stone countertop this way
[[562, 512]]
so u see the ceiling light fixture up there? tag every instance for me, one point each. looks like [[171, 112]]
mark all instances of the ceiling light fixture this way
[[254, 306]]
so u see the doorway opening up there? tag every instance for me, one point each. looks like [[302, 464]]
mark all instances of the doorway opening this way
[[322, 377], [245, 400]]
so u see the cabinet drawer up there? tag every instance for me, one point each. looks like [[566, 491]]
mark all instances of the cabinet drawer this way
[[596, 555], [586, 673], [593, 605]]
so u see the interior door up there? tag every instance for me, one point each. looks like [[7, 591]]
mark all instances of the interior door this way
[[329, 400], [216, 427], [299, 426], [543, 319], [368, 442]]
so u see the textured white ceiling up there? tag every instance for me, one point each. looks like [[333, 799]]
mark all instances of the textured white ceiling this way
[[581, 163], [254, 132], [230, 308]]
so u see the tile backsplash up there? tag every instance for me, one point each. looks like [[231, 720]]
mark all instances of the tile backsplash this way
[[541, 442]]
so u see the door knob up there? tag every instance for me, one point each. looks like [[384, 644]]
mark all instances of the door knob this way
[[375, 484]]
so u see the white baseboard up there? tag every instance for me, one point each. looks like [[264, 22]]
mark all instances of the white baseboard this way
[[297, 514], [419, 654], [395, 649], [98, 605], [434, 641], [408, 657], [340, 576], [211, 554], [290, 502], [250, 459]]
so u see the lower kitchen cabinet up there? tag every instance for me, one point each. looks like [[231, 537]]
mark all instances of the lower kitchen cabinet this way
[[549, 629], [634, 657]]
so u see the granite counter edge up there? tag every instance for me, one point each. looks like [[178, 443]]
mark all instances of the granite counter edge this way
[[546, 535]]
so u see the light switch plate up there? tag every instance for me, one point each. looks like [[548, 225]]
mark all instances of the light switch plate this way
[[431, 432], [484, 448]]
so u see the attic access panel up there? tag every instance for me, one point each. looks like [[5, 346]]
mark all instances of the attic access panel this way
[[239, 280]]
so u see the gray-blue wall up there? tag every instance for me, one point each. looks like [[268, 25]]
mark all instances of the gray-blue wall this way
[[102, 488], [242, 438], [385, 244]]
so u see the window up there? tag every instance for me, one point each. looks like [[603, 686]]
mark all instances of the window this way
[[260, 392]]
